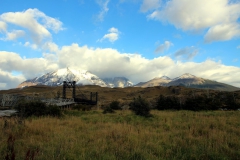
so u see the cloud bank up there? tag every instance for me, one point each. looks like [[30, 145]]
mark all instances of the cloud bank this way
[[108, 62]]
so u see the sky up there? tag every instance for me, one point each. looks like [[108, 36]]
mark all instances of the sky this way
[[136, 39]]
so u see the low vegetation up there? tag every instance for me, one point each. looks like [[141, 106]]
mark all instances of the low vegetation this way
[[140, 106], [226, 101], [123, 135], [190, 125], [36, 108]]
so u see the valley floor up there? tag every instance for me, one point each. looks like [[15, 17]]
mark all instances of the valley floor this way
[[123, 135]]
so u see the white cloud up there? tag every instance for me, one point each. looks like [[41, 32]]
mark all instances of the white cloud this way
[[15, 34], [10, 61], [109, 62], [112, 36], [104, 9], [163, 47], [187, 53], [52, 47], [3, 26], [33, 21], [150, 5], [223, 32], [238, 47], [9, 81], [219, 17]]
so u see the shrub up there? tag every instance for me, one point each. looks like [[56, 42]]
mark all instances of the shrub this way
[[53, 110], [36, 108], [82, 107], [115, 105], [164, 103], [140, 106], [108, 109]]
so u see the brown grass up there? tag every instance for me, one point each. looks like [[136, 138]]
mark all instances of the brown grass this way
[[123, 135]]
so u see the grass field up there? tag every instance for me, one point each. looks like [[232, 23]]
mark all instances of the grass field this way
[[123, 135]]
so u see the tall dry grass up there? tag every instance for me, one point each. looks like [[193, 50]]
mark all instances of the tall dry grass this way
[[123, 135]]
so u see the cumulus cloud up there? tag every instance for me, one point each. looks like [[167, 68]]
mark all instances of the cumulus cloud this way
[[163, 47], [112, 36], [9, 81], [150, 5], [223, 32], [15, 34], [219, 17], [187, 53], [108, 62], [10, 61], [50, 46], [34, 22], [3, 26], [104, 9]]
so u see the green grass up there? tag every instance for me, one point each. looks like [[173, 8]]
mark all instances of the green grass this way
[[123, 135]]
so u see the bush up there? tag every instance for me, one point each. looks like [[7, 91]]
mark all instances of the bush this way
[[115, 105], [53, 110], [164, 103], [36, 108], [82, 107], [108, 109], [140, 107]]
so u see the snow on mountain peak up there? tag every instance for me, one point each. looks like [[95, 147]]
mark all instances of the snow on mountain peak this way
[[82, 77], [186, 76], [165, 77]]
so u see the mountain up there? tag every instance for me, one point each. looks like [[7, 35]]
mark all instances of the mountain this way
[[158, 81], [56, 78], [82, 77], [118, 82], [190, 81], [186, 80]]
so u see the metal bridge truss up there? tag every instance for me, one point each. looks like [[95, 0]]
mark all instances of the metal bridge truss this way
[[8, 100], [59, 101]]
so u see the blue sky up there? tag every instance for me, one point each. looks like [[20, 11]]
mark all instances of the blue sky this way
[[138, 39]]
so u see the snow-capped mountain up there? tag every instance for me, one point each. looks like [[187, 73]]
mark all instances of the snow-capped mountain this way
[[118, 82], [82, 77], [188, 80], [56, 78], [158, 81]]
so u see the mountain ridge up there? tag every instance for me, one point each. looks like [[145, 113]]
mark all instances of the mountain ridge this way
[[84, 77]]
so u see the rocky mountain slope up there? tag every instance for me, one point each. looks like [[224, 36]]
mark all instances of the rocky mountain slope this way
[[158, 81], [118, 82], [82, 77], [190, 81]]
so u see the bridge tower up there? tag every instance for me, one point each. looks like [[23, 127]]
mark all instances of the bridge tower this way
[[69, 85]]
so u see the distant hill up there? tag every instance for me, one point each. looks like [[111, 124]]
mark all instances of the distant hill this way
[[190, 81]]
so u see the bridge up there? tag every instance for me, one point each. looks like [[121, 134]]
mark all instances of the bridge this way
[[9, 100]]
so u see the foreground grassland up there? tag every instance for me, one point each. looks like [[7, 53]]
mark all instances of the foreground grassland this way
[[123, 135]]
